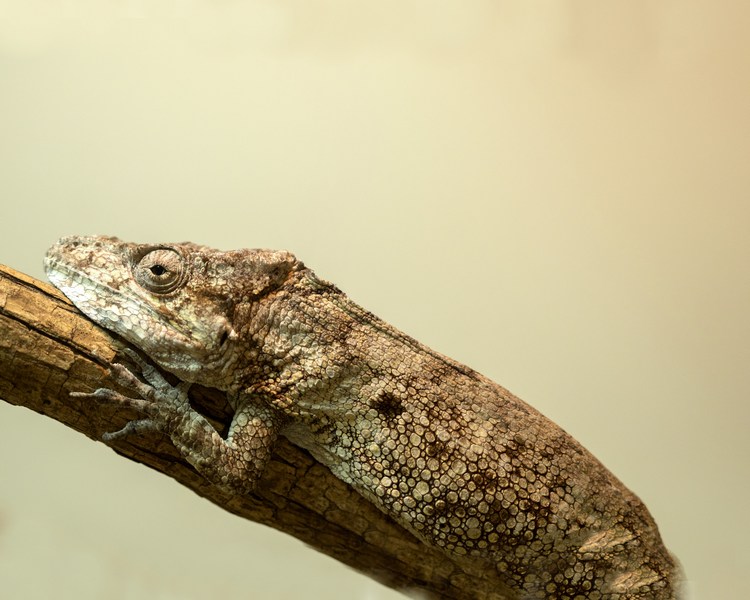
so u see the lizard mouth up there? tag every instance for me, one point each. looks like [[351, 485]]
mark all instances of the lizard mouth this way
[[170, 329], [108, 305]]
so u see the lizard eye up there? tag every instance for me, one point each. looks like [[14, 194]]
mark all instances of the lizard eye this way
[[160, 271]]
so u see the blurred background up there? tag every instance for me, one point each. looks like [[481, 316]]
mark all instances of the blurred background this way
[[556, 194]]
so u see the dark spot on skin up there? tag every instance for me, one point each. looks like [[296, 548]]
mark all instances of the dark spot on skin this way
[[327, 430], [437, 449], [388, 405], [485, 480]]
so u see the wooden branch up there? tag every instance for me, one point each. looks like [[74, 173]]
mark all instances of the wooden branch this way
[[48, 349]]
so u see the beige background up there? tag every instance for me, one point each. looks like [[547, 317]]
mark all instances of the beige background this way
[[555, 194]]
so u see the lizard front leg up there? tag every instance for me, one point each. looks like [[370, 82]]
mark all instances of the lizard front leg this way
[[235, 463]]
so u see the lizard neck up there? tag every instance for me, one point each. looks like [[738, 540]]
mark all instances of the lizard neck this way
[[296, 339]]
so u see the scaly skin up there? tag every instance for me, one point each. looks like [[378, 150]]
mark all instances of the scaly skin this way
[[455, 458]]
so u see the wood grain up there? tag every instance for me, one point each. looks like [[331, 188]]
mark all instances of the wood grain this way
[[48, 349]]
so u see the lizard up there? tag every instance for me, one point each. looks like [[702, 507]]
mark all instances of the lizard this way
[[453, 457]]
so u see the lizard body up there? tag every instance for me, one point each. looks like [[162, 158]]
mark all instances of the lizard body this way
[[456, 459]]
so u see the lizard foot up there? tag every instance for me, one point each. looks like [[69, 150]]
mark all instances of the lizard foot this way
[[235, 464], [161, 402]]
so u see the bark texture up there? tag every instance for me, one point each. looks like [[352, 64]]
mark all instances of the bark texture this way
[[49, 349]]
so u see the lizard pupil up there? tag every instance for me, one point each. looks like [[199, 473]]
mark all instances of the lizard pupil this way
[[160, 271]]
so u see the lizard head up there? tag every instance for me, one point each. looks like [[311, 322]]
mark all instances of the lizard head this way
[[175, 302]]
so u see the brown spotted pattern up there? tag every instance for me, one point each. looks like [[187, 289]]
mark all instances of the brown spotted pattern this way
[[455, 458]]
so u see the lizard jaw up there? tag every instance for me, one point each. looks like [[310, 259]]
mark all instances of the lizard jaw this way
[[173, 343]]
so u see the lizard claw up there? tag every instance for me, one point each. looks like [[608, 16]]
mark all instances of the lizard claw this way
[[109, 395], [162, 402], [149, 372], [139, 426], [156, 388]]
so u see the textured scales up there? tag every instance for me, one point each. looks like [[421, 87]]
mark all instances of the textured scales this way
[[455, 458]]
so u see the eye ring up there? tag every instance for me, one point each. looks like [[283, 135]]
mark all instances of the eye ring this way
[[160, 271]]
